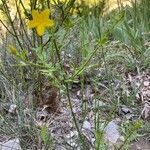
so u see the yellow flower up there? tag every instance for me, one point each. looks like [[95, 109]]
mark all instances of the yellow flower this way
[[138, 124], [40, 21], [13, 50]]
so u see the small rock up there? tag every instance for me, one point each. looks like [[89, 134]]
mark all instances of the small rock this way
[[112, 134], [124, 110], [13, 144], [12, 109], [146, 83], [87, 125]]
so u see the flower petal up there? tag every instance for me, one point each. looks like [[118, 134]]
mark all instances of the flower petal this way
[[48, 23], [45, 13], [35, 14], [40, 30], [32, 24]]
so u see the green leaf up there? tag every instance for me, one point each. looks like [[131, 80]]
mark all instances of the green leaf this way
[[44, 134]]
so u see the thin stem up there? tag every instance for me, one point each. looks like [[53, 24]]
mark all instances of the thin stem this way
[[11, 22], [6, 27], [20, 1], [22, 24], [68, 93], [64, 18], [126, 140]]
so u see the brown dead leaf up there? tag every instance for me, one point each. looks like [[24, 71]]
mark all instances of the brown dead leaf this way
[[50, 98]]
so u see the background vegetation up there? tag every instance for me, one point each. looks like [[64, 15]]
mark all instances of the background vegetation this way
[[91, 66]]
